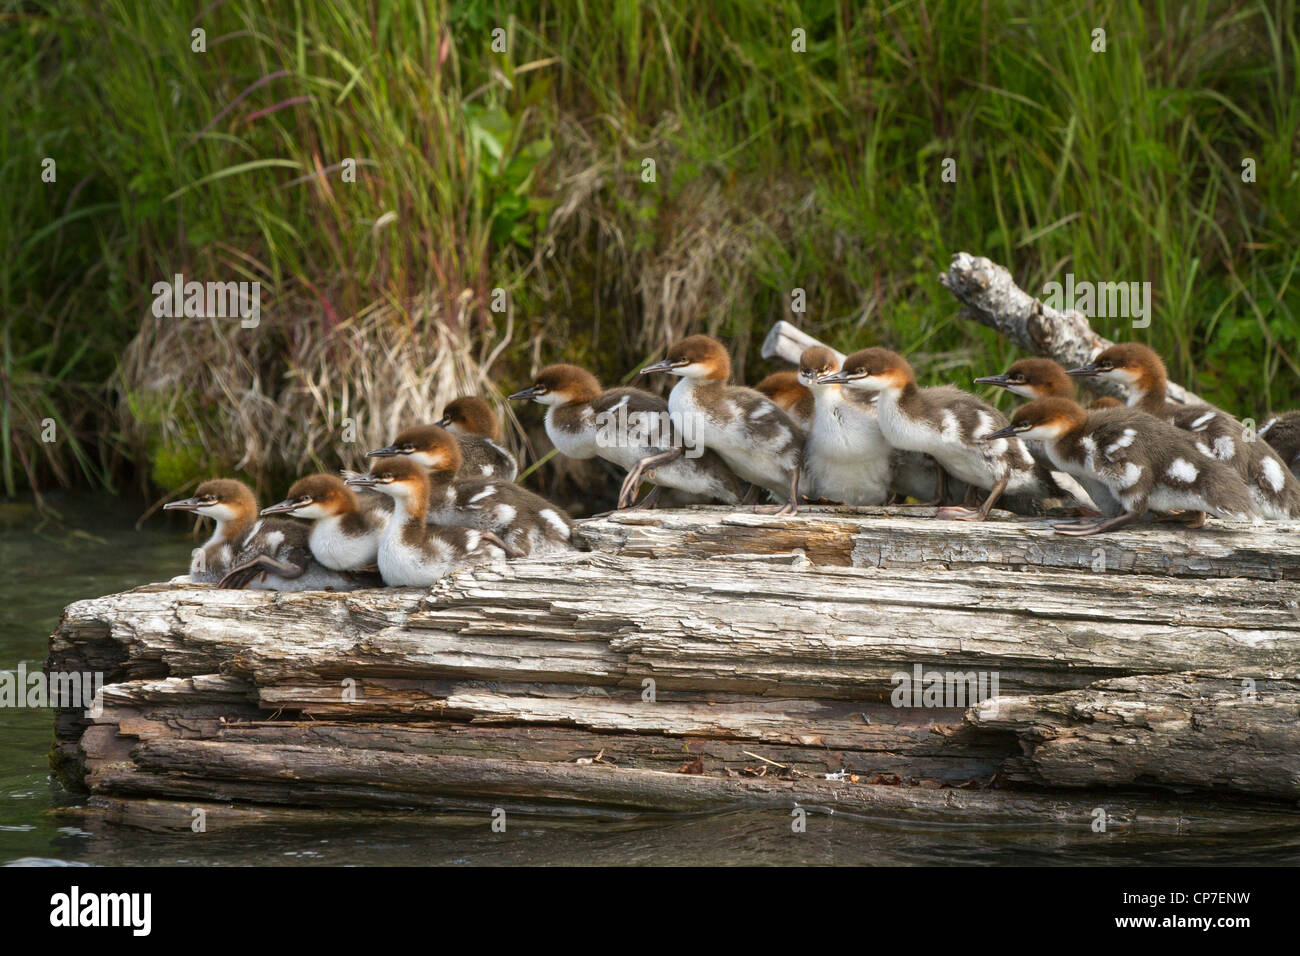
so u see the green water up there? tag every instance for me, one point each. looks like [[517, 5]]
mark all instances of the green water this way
[[44, 568]]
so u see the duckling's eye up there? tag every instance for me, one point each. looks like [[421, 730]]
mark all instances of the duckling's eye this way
[[540, 389], [305, 500], [408, 448]]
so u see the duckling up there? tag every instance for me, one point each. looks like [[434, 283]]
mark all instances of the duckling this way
[[628, 427], [1033, 378], [1043, 378], [477, 429], [269, 554], [1275, 490], [848, 418], [411, 552], [1283, 433], [345, 530], [1103, 402], [757, 440], [1147, 464], [528, 523], [949, 425], [845, 458], [789, 392], [479, 458]]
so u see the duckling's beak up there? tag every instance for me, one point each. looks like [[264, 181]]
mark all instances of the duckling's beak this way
[[1084, 371], [999, 380], [525, 395], [288, 506], [186, 504], [835, 378], [360, 481], [1008, 432], [444, 421], [667, 365], [388, 451]]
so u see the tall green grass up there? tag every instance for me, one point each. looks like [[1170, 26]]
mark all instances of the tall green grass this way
[[521, 170]]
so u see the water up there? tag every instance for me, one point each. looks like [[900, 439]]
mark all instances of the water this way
[[45, 568]]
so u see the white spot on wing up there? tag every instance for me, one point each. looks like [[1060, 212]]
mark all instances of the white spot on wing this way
[[1203, 421], [1123, 441], [1183, 470], [485, 493], [1273, 474], [1131, 475], [555, 521]]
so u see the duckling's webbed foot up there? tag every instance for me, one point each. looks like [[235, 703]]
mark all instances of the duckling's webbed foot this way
[[650, 501], [258, 568], [510, 550], [627, 494], [1083, 529], [957, 513]]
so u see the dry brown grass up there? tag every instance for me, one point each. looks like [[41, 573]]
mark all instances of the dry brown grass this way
[[282, 398]]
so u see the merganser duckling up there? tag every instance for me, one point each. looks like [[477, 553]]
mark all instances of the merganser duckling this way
[[413, 553], [345, 531], [626, 426], [1283, 433], [1147, 464], [757, 440], [479, 458], [1275, 490], [477, 429], [269, 554], [794, 398], [1043, 378], [949, 425], [845, 458], [1033, 378], [528, 523], [848, 418]]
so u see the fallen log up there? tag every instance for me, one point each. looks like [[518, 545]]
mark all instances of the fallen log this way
[[693, 641], [1179, 730]]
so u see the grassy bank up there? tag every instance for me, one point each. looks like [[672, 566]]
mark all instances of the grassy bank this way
[[525, 171]]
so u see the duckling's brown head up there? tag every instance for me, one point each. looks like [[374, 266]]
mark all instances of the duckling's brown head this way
[[696, 356], [816, 362], [561, 385], [1033, 378], [1130, 364], [783, 388], [430, 446], [1043, 419], [470, 415], [229, 502], [872, 370], [315, 497], [401, 478]]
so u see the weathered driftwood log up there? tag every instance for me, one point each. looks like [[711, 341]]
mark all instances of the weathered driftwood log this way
[[903, 537], [990, 296], [700, 643], [787, 342], [1179, 730]]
